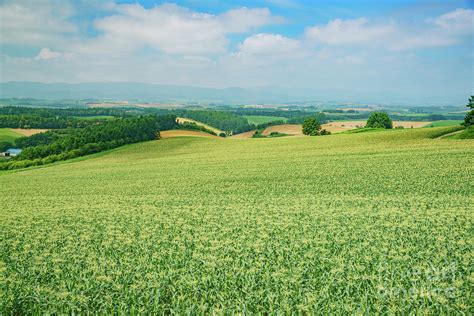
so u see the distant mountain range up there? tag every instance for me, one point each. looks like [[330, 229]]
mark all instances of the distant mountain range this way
[[133, 91]]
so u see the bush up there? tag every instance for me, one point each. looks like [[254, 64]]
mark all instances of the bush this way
[[379, 120], [222, 134]]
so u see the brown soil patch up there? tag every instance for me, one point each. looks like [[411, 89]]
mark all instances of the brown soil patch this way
[[28, 132], [337, 127], [243, 135], [290, 129]]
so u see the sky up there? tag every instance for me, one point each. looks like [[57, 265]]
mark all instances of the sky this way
[[347, 49]]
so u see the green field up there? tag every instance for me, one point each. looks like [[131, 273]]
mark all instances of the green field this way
[[7, 135], [370, 223], [95, 117], [255, 119], [444, 123]]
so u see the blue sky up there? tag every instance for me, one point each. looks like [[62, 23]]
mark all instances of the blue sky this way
[[407, 51]]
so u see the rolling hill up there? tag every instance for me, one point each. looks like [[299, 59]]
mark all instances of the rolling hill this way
[[202, 225]]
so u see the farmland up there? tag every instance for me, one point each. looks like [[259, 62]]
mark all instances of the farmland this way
[[8, 135], [375, 222], [444, 123], [259, 119]]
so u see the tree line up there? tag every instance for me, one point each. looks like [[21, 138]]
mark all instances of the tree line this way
[[64, 112], [70, 143]]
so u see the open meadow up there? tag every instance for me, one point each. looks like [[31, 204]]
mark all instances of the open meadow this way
[[376, 222]]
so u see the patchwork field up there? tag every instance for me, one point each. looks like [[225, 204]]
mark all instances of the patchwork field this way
[[342, 126], [335, 127], [8, 135], [184, 133], [28, 132], [183, 120], [290, 129], [370, 223], [243, 135]]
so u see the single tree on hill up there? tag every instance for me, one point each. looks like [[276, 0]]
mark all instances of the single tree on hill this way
[[469, 119], [312, 127], [379, 120]]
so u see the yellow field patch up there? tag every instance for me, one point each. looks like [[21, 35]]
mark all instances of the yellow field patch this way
[[186, 120], [290, 129], [28, 132], [335, 127], [183, 133]]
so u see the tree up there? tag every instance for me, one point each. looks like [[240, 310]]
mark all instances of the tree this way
[[311, 127], [379, 120], [469, 119]]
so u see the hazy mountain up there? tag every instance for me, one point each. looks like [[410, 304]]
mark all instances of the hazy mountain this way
[[174, 93], [134, 91]]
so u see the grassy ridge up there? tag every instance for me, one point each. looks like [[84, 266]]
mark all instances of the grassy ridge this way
[[369, 222], [8, 135]]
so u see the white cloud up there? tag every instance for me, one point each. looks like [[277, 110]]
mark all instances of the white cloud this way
[[177, 30], [342, 32], [34, 22], [459, 20], [444, 30], [46, 53], [269, 44]]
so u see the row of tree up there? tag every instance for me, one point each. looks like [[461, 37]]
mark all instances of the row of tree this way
[[75, 142], [35, 121], [64, 112]]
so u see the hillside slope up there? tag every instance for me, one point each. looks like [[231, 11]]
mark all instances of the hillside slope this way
[[316, 224]]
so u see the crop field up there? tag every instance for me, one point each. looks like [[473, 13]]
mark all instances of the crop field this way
[[184, 120], [95, 117], [256, 119], [368, 223], [290, 129], [245, 135], [185, 133], [28, 131], [8, 135]]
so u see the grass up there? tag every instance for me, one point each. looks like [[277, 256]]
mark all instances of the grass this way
[[351, 223], [468, 133], [7, 135], [444, 123], [255, 119]]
